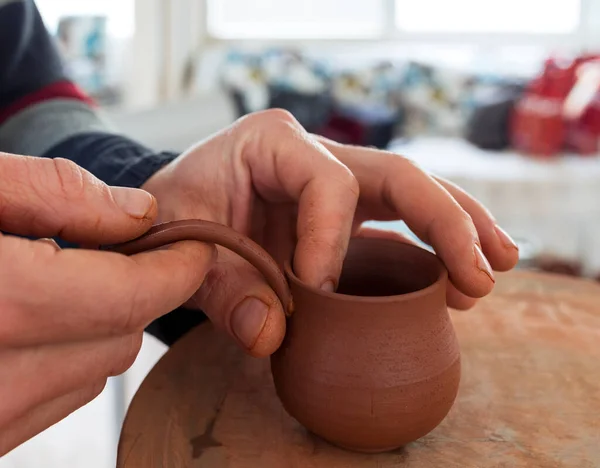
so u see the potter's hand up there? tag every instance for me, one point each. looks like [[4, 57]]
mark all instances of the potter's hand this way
[[71, 318], [268, 178], [462, 231]]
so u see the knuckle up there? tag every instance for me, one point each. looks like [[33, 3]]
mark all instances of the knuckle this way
[[128, 318], [281, 115], [462, 216], [270, 119], [18, 175], [9, 324], [215, 280], [92, 392], [350, 181], [130, 300], [402, 163], [70, 179], [457, 219], [127, 353]]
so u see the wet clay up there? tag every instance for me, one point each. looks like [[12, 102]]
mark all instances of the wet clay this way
[[215, 233], [376, 365], [369, 368]]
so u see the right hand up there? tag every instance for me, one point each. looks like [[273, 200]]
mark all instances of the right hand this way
[[302, 197], [69, 319]]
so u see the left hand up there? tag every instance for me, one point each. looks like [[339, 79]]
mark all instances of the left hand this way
[[268, 178], [70, 319]]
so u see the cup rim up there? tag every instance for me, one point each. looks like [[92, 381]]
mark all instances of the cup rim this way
[[438, 283]]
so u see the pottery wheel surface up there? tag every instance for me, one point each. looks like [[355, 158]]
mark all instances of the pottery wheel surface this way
[[529, 396]]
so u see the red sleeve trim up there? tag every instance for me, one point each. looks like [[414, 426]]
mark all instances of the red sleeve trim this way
[[61, 89]]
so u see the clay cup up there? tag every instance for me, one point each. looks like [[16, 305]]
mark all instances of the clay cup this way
[[375, 365]]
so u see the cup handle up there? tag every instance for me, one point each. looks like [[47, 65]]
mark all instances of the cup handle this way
[[207, 231]]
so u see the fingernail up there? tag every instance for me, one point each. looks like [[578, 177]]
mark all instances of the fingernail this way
[[134, 202], [482, 263], [52, 242], [505, 238], [328, 286], [248, 320]]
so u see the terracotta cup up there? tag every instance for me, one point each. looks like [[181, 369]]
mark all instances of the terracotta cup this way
[[369, 368], [375, 365]]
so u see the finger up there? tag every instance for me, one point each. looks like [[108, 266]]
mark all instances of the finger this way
[[326, 192], [45, 416], [498, 247], [457, 300], [56, 198], [67, 295], [364, 231], [392, 184], [238, 300], [454, 298], [62, 368]]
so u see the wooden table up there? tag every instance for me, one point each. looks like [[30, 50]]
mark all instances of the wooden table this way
[[529, 396]]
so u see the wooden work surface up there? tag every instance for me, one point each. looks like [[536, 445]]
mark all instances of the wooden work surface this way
[[529, 395]]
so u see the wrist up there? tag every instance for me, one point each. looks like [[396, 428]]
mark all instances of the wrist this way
[[143, 173]]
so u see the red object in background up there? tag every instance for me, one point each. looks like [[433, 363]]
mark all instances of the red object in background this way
[[582, 110], [356, 130], [538, 124], [343, 130]]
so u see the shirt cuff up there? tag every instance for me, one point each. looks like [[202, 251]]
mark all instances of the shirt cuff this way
[[114, 159]]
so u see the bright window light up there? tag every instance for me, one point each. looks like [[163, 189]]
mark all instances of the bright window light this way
[[120, 13], [488, 16], [293, 19]]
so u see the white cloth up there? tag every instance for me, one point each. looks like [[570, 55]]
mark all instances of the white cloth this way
[[552, 202]]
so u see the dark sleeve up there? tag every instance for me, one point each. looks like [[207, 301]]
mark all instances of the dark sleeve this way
[[43, 113], [28, 59]]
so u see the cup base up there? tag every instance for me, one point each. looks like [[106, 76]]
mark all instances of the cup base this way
[[368, 450]]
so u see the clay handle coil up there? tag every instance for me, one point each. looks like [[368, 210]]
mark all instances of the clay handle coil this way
[[207, 231]]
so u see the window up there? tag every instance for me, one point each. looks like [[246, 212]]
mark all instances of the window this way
[[377, 19], [119, 13], [488, 16], [293, 19], [94, 38]]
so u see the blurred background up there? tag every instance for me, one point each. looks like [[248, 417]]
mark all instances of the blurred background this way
[[499, 96]]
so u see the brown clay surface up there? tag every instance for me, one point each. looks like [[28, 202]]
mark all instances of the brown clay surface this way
[[529, 395]]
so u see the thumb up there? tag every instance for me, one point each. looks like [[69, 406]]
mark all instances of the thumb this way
[[237, 299], [56, 198]]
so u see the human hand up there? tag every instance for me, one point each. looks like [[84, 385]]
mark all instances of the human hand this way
[[266, 177], [71, 318]]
